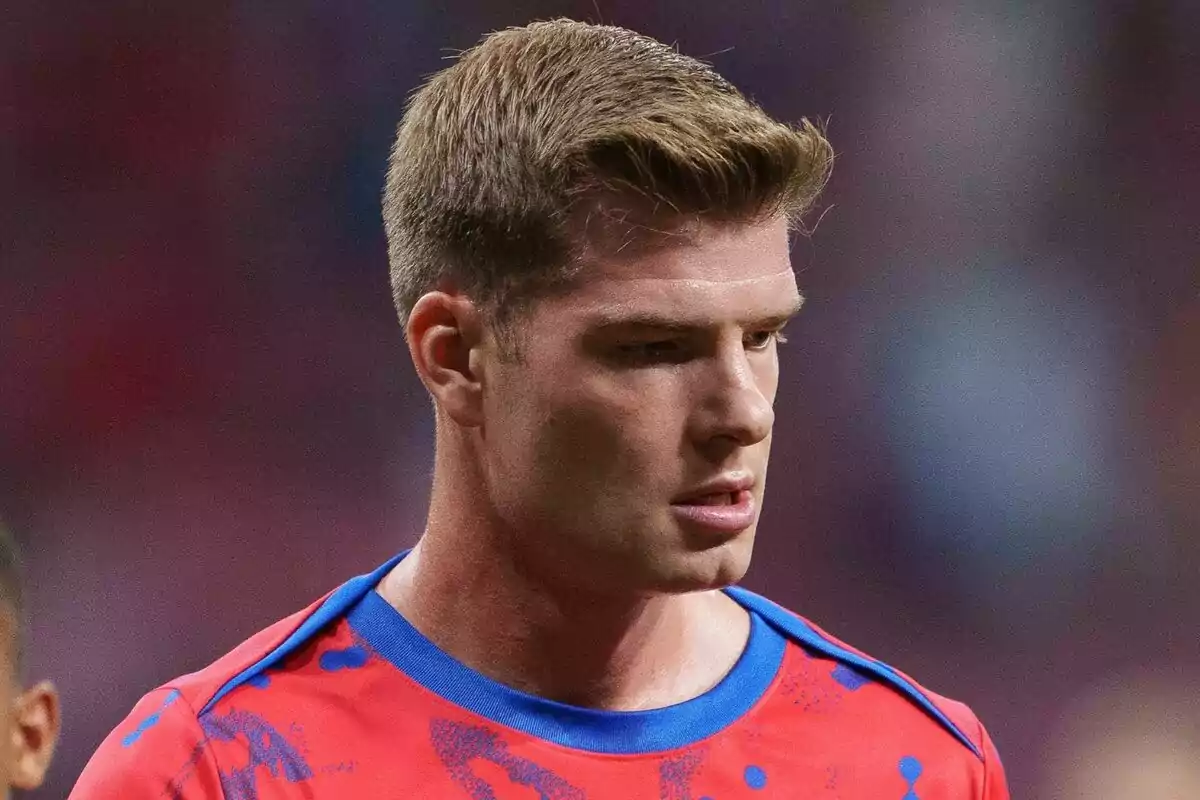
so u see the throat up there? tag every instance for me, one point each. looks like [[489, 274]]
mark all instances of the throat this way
[[670, 655], [648, 654]]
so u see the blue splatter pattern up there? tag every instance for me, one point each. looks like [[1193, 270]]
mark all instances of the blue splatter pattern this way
[[458, 744], [756, 777], [849, 677], [149, 722], [354, 657], [910, 770], [268, 752], [675, 775]]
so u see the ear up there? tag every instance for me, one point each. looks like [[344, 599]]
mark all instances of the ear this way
[[445, 338], [35, 733]]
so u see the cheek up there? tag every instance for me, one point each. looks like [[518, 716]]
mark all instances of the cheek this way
[[606, 437], [583, 442], [546, 440], [573, 428], [766, 376]]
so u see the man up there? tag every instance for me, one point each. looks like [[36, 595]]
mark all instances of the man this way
[[588, 237], [29, 718]]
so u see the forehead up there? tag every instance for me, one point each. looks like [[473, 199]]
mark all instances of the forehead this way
[[717, 274]]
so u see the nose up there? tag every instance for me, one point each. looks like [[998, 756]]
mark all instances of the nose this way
[[735, 409]]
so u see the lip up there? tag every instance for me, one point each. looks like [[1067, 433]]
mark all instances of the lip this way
[[725, 484], [733, 518], [730, 518]]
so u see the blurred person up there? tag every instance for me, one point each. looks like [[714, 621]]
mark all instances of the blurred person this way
[[589, 246], [1135, 737], [29, 717]]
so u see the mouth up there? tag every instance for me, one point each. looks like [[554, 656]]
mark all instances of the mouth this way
[[715, 499], [717, 513], [728, 489]]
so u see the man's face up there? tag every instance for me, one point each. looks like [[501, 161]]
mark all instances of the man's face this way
[[627, 450]]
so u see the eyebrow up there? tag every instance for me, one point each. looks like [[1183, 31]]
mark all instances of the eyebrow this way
[[604, 322]]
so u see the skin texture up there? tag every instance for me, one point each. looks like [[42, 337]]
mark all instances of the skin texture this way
[[553, 561], [29, 722]]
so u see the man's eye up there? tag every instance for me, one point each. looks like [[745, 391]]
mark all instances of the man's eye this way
[[761, 340], [651, 348], [662, 350]]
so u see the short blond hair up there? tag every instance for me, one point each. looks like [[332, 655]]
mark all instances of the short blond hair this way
[[497, 154]]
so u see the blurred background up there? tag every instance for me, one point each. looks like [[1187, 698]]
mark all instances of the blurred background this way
[[987, 464]]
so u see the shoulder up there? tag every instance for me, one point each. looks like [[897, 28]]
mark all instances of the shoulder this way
[[967, 741], [963, 722], [199, 689], [163, 748]]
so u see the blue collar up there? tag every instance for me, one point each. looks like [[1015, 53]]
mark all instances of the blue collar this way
[[393, 637], [388, 632]]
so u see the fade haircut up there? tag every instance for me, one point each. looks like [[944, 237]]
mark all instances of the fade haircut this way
[[12, 597], [503, 160]]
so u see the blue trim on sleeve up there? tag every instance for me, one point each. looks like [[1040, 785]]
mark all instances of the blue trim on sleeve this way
[[613, 732], [336, 605], [795, 628]]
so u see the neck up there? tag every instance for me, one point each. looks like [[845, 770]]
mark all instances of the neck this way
[[465, 589]]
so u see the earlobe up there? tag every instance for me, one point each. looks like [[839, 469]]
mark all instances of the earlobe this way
[[35, 735], [443, 332]]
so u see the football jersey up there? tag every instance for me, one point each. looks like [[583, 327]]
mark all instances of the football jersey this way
[[346, 700]]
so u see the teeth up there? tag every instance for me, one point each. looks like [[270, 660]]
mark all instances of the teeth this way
[[725, 499]]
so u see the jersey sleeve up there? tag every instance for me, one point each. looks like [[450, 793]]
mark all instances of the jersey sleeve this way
[[987, 781], [158, 753], [995, 785]]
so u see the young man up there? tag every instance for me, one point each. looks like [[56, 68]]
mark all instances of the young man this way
[[29, 718], [588, 236]]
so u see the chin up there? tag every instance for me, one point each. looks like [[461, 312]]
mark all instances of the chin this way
[[705, 570]]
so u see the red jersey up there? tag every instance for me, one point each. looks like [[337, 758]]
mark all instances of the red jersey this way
[[347, 701]]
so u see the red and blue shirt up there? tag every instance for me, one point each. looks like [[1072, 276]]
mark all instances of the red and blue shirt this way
[[347, 701]]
